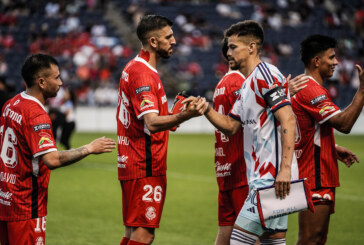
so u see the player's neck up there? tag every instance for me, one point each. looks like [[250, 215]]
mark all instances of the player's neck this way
[[36, 94], [250, 66], [149, 56], [314, 73]]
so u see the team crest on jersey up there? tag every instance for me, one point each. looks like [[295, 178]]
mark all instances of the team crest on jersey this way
[[39, 241], [150, 213], [45, 140], [146, 102]]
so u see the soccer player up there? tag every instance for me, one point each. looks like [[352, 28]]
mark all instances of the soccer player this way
[[263, 109], [28, 153], [143, 122], [315, 147], [229, 156]]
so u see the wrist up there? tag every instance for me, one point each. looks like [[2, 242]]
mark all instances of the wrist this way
[[207, 110]]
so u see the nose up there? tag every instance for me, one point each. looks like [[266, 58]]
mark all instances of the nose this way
[[173, 41]]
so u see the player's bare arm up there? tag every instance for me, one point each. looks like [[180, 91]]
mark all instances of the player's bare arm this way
[[156, 123], [345, 120], [225, 124], [288, 123], [296, 84], [58, 159], [346, 156]]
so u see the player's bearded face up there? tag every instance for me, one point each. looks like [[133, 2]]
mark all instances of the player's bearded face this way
[[165, 42], [327, 63], [237, 52], [52, 82]]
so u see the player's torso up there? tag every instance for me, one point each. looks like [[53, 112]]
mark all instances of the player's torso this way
[[140, 153], [229, 151], [315, 142], [18, 168]]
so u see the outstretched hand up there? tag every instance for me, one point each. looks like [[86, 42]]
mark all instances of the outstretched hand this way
[[195, 106], [296, 84], [346, 156], [101, 145]]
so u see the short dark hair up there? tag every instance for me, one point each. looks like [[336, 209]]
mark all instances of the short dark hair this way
[[34, 64], [151, 23], [224, 47], [314, 45], [247, 28]]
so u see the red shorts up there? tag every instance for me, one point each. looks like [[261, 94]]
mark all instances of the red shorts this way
[[324, 196], [28, 232], [230, 204], [143, 201]]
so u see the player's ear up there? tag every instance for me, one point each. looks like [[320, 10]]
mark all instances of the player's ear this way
[[41, 82], [316, 61], [153, 42], [252, 47]]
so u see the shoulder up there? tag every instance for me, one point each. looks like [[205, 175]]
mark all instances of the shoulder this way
[[269, 73]]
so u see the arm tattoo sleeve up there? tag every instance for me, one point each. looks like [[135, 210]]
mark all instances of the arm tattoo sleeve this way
[[72, 156]]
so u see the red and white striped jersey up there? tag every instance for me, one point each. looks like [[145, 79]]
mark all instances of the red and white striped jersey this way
[[229, 151], [25, 135], [140, 153], [264, 92], [315, 141]]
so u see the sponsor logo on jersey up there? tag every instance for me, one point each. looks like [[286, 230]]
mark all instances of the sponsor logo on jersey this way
[[318, 99], [219, 91], [39, 241], [41, 126], [16, 102], [248, 122], [123, 140], [237, 92], [142, 89], [150, 213], [326, 109], [5, 196], [219, 152], [45, 140], [12, 115], [278, 94], [7, 178], [146, 102], [223, 170], [123, 158], [125, 76], [164, 99]]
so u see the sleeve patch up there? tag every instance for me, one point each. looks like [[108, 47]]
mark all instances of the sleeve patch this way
[[41, 126], [142, 89], [318, 99], [274, 96], [45, 140], [146, 102]]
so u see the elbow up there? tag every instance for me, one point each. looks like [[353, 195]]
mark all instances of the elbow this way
[[344, 130], [51, 163]]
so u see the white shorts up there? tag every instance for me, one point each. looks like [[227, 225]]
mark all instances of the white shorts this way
[[248, 218]]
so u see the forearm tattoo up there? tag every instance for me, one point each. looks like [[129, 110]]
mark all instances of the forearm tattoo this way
[[71, 156]]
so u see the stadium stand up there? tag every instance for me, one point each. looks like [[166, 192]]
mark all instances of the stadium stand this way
[[93, 47]]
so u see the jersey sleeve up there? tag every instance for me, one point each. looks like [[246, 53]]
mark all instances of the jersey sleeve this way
[[39, 135], [317, 103], [273, 88], [236, 109], [143, 95]]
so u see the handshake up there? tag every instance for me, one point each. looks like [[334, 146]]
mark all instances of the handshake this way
[[189, 106]]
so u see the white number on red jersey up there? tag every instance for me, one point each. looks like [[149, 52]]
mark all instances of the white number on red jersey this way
[[124, 115], [155, 192], [8, 151]]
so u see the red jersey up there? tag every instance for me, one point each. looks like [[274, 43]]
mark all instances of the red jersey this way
[[25, 135], [140, 153], [315, 142], [230, 165]]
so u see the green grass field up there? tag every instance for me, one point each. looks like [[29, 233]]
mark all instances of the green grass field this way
[[84, 205]]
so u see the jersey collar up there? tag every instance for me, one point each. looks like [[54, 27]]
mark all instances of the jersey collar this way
[[29, 97], [139, 59], [237, 72]]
